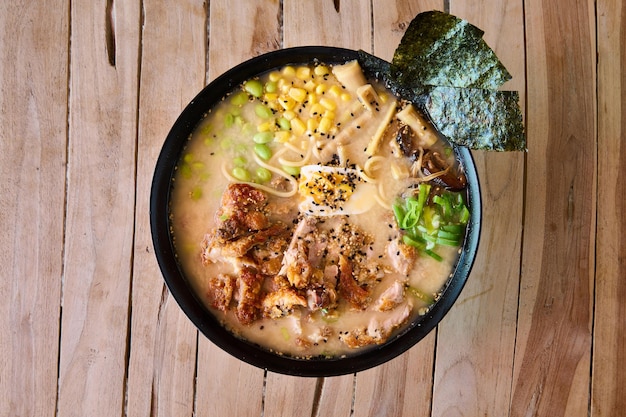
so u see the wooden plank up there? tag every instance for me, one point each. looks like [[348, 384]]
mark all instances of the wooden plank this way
[[288, 396], [345, 23], [239, 30], [162, 358], [475, 342], [100, 207], [33, 133], [402, 386], [552, 359], [335, 396], [609, 353]]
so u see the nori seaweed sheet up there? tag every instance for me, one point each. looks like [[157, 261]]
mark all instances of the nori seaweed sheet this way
[[439, 49], [478, 118], [448, 72]]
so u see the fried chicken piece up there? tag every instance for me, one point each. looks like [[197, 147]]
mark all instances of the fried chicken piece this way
[[242, 211], [349, 289], [220, 291], [249, 286], [282, 302]]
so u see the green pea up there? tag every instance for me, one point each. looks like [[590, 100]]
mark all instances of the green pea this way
[[263, 151], [239, 99], [293, 171], [254, 87], [241, 174], [271, 87], [263, 112], [263, 137], [240, 161], [263, 174]]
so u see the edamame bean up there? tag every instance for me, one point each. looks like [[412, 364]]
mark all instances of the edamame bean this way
[[254, 87], [293, 171], [283, 123], [196, 193], [271, 87], [240, 161], [263, 151], [241, 174], [262, 111], [263, 137], [239, 99], [229, 119], [263, 174]]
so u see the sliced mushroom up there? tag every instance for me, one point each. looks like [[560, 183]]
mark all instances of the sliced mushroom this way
[[453, 179]]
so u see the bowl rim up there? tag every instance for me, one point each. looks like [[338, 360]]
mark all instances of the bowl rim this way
[[193, 307]]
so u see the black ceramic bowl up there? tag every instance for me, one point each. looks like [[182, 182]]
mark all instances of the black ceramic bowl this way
[[191, 304]]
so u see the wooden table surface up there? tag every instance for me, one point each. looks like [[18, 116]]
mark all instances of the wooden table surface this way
[[88, 92]]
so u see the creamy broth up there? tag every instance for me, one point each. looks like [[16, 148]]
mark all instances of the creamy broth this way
[[281, 134]]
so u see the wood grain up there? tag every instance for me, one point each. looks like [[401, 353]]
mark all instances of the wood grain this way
[[476, 340], [100, 209], [162, 357], [609, 346], [553, 349], [33, 135], [320, 23], [400, 387]]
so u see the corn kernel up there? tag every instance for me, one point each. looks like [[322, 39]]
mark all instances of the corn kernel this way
[[265, 126], [298, 94], [328, 103], [282, 136], [312, 98], [270, 96], [346, 97], [311, 125], [289, 71], [321, 89], [316, 110], [287, 102], [289, 114], [325, 125], [303, 73], [329, 114], [321, 70], [310, 85], [335, 90], [274, 76], [298, 127]]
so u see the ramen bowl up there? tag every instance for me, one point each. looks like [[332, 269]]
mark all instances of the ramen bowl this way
[[190, 299]]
